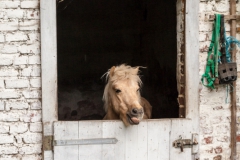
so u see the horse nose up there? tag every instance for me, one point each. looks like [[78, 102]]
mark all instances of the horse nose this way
[[136, 111]]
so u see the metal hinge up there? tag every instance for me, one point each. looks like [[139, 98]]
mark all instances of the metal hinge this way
[[187, 143], [85, 141], [47, 143]]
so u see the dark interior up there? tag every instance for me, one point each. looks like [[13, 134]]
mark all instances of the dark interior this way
[[92, 36]]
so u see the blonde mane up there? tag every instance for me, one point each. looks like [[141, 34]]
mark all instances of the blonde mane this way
[[121, 72]]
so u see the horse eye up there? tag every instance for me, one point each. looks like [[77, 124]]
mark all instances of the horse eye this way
[[117, 90]]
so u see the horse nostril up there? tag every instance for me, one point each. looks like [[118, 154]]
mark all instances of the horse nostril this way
[[134, 111]]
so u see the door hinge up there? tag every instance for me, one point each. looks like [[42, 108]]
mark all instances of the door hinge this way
[[85, 141], [187, 143], [47, 143]]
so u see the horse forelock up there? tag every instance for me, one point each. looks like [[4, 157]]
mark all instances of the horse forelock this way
[[121, 72]]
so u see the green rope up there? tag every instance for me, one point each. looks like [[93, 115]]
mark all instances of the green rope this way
[[211, 72]]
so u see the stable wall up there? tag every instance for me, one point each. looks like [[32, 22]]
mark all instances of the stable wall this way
[[20, 87], [215, 105]]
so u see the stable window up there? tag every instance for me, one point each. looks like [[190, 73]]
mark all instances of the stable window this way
[[94, 36]]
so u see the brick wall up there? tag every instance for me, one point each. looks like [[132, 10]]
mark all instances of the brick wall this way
[[215, 113], [20, 86]]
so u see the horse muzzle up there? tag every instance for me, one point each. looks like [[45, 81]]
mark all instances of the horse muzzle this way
[[135, 116]]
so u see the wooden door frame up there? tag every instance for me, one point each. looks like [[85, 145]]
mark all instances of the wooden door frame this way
[[49, 66]]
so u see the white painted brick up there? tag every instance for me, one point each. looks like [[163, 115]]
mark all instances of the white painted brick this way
[[10, 157], [18, 138], [4, 128], [9, 94], [31, 157], [20, 60], [29, 4], [32, 138], [2, 106], [36, 105], [27, 25], [17, 104], [9, 117], [34, 37], [34, 59], [6, 59], [30, 149], [35, 127], [19, 127], [36, 71], [2, 85], [9, 4], [221, 7], [33, 14], [18, 83], [2, 38], [9, 48], [15, 13], [32, 48], [16, 36], [2, 14], [4, 138], [8, 149], [32, 116], [8, 26], [205, 26], [35, 83], [205, 7], [32, 94], [26, 72], [8, 72]]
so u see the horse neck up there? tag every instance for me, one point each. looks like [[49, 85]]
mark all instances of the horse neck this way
[[111, 114]]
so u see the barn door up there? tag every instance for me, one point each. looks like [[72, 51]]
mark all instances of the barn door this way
[[150, 140]]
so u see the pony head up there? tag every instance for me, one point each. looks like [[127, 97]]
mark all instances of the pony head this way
[[121, 96]]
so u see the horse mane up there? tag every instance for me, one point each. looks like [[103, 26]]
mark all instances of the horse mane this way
[[121, 72]]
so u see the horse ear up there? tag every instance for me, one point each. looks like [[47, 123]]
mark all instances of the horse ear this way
[[111, 72], [135, 70]]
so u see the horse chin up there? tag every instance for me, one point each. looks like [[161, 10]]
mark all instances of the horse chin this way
[[133, 120]]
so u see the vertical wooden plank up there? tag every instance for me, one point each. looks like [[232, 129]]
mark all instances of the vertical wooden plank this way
[[89, 130], [192, 65], [142, 149], [48, 69], [233, 94], [66, 131], [131, 133], [183, 128], [114, 129], [158, 139]]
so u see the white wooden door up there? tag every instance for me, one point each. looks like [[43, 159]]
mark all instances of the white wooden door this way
[[150, 140]]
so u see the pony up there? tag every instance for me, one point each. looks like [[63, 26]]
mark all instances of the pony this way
[[121, 97]]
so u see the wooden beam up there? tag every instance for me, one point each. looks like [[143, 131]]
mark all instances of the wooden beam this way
[[233, 93], [226, 17]]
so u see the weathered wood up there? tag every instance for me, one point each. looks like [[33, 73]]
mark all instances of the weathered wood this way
[[183, 128], [159, 142], [233, 93], [48, 69], [152, 139], [192, 63], [66, 131]]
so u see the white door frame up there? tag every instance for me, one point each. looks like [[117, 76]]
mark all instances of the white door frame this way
[[49, 66]]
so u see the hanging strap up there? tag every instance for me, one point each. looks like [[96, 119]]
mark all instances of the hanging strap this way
[[211, 71]]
